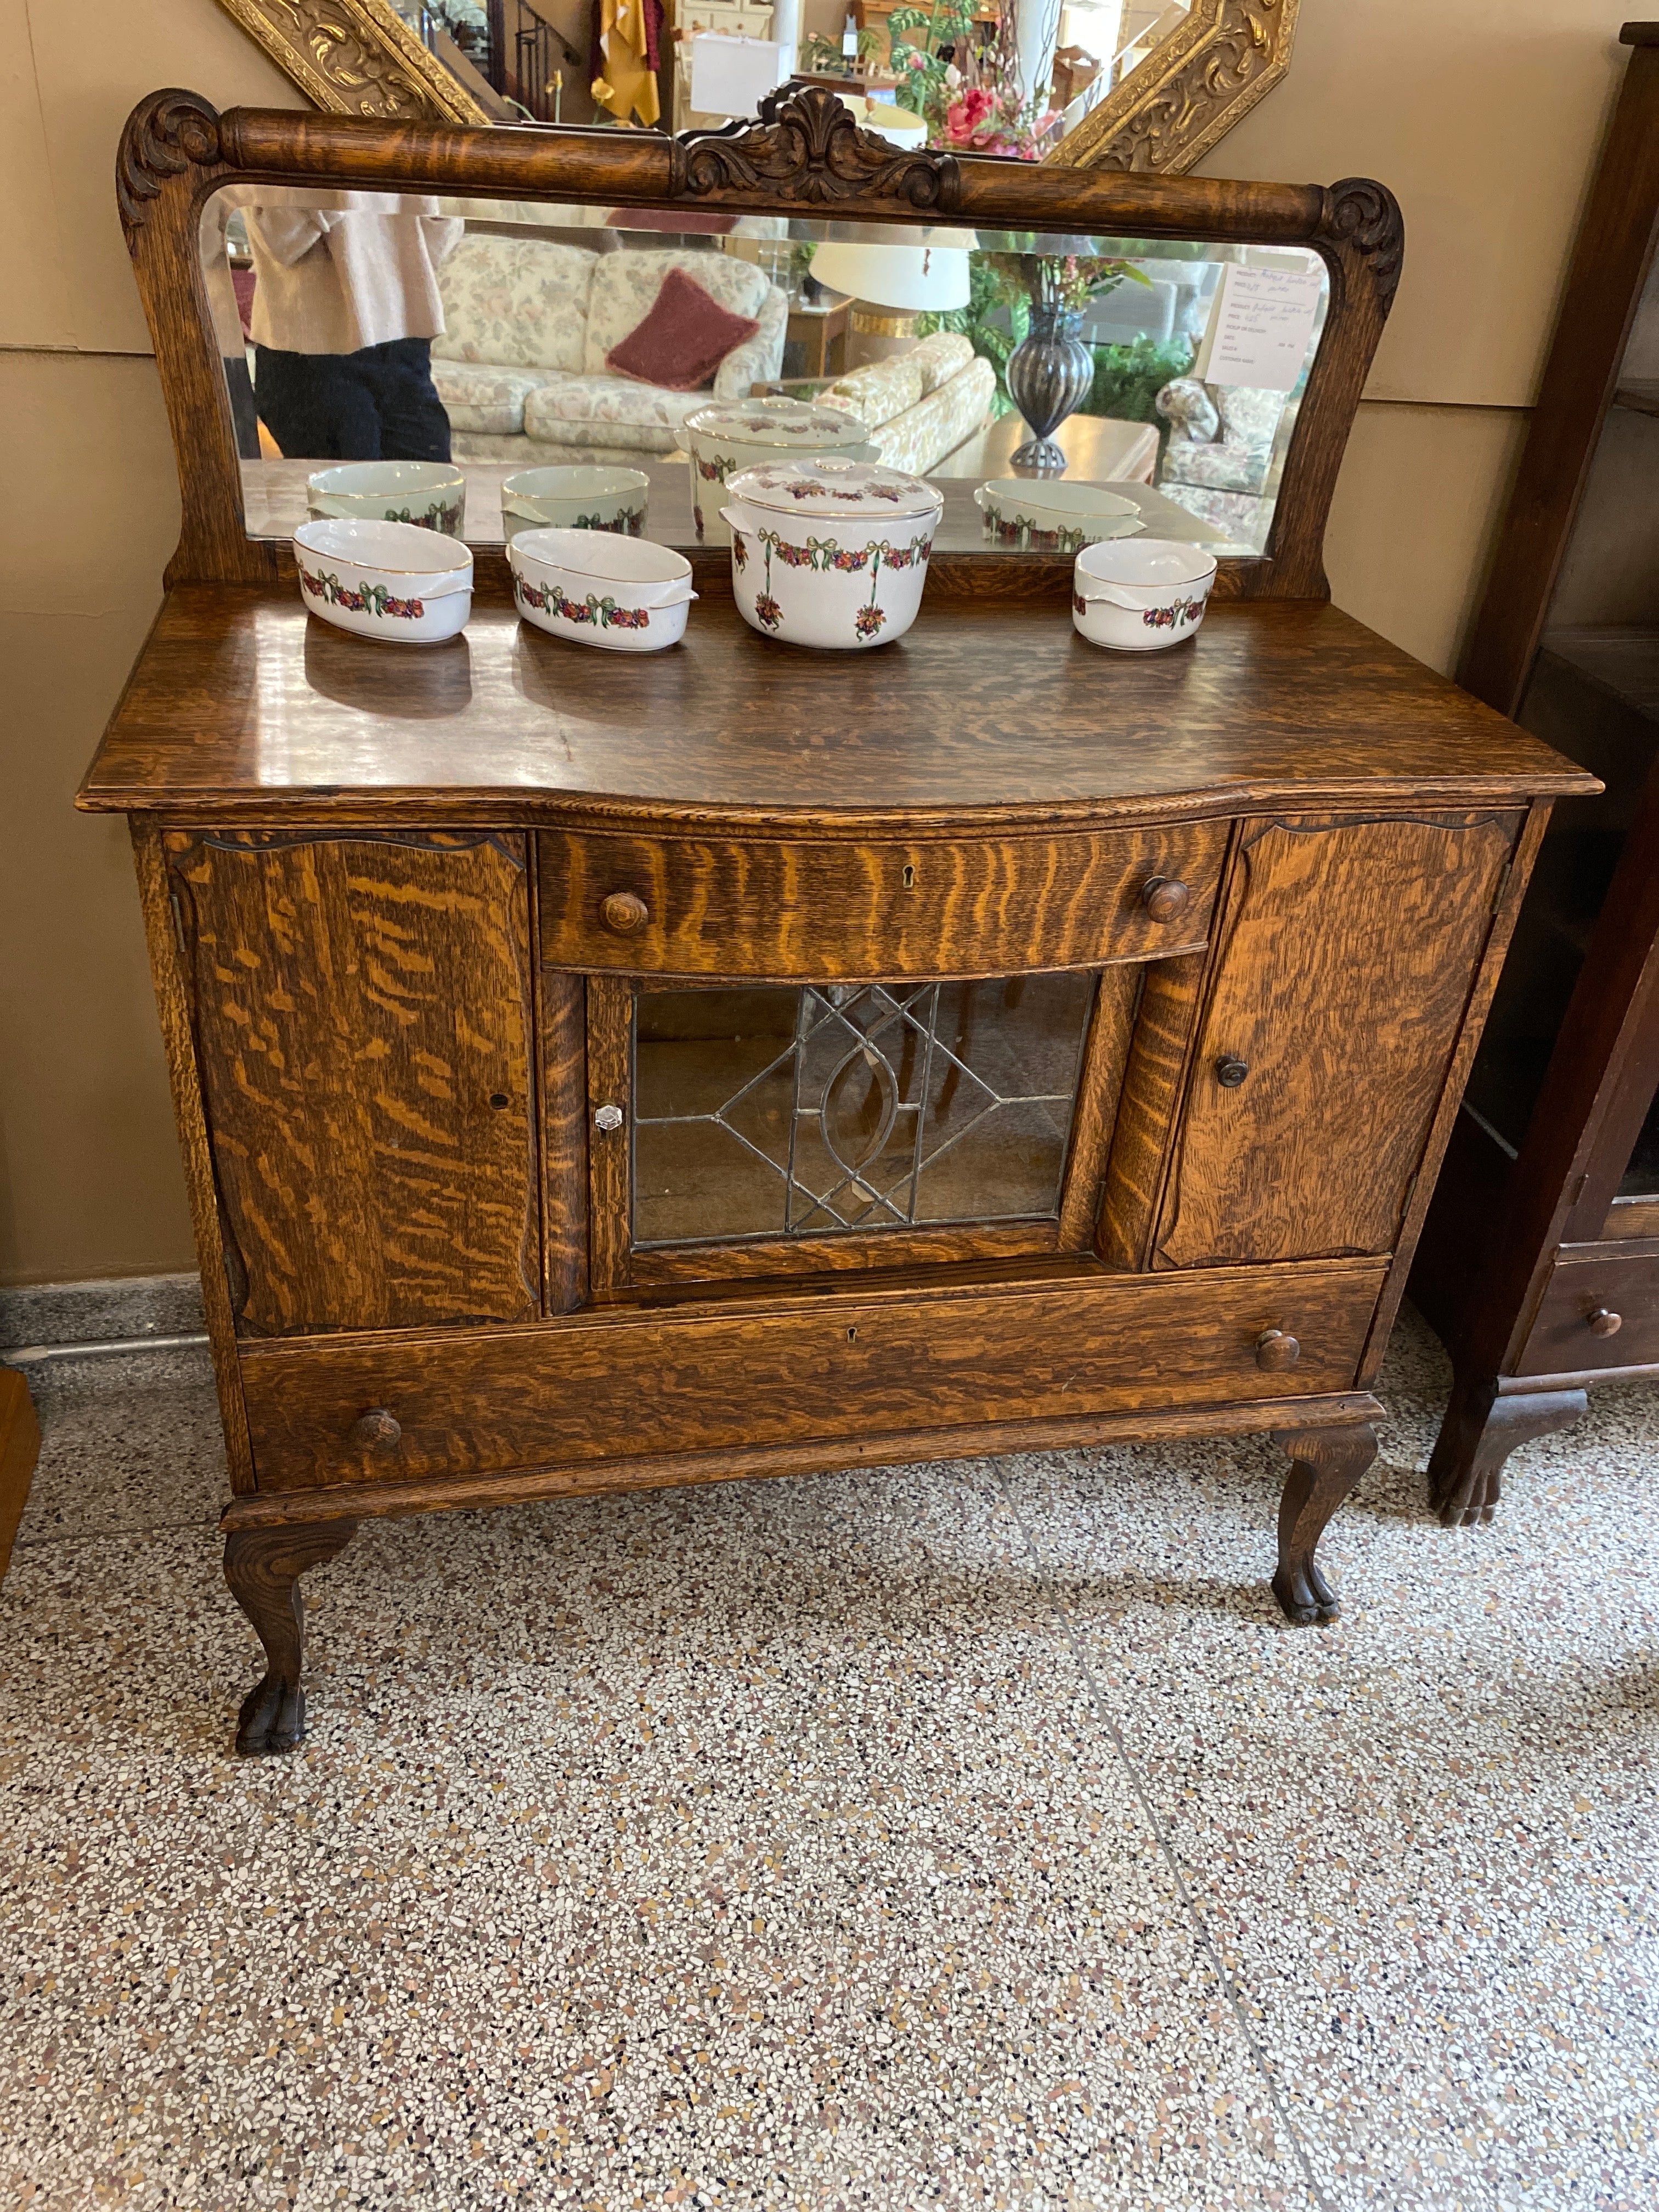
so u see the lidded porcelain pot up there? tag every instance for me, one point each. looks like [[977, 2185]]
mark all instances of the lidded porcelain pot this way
[[739, 434], [830, 552]]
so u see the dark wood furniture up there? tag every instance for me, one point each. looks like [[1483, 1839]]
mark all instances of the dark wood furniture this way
[[19, 1447], [1540, 1261], [737, 1061]]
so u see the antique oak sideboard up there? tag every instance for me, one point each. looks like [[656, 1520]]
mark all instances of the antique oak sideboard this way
[[741, 1062]]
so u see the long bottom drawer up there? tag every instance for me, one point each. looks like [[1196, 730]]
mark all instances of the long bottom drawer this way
[[614, 1384]]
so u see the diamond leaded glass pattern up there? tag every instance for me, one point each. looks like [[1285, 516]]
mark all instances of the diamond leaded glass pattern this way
[[823, 1110]]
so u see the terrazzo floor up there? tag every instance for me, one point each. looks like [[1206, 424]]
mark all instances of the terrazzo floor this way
[[964, 1836]]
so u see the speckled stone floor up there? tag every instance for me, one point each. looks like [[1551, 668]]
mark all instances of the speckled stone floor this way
[[964, 1836]]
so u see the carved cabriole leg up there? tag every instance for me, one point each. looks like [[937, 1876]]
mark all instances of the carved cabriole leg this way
[[1325, 1465], [1478, 1433], [263, 1567]]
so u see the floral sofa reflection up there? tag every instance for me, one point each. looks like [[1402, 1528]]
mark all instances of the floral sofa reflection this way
[[921, 405], [1225, 454], [520, 367]]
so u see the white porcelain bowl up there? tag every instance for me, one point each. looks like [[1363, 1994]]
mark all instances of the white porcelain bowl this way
[[1049, 515], [830, 552], [626, 593], [1139, 594], [431, 495], [730, 435], [576, 499], [392, 580]]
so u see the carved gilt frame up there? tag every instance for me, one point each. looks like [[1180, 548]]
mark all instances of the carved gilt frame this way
[[360, 57], [356, 58], [806, 153], [1190, 91]]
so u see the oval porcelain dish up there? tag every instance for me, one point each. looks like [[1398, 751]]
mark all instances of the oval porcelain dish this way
[[1139, 595], [739, 434], [625, 593], [831, 553], [396, 581], [431, 495], [1048, 516], [576, 499]]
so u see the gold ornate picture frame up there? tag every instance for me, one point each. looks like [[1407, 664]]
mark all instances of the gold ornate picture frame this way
[[360, 57], [1190, 91], [356, 58]]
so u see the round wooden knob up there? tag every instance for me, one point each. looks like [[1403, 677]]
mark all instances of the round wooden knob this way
[[624, 913], [1604, 1323], [1275, 1350], [1231, 1072], [376, 1431], [1165, 897]]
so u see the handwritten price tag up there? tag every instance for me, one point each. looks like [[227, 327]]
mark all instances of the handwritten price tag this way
[[1259, 331]]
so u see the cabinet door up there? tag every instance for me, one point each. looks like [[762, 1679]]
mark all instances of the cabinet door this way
[[362, 1007], [1349, 951]]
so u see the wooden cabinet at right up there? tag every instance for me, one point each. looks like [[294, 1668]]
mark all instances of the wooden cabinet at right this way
[[1310, 1051]]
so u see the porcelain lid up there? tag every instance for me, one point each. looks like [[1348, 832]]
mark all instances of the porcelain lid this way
[[1058, 496], [827, 486], [788, 424]]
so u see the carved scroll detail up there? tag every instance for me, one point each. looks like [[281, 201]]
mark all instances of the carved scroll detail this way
[[807, 148], [1361, 213], [1219, 64], [163, 136], [356, 58]]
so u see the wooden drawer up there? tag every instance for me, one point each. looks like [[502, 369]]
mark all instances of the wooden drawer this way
[[610, 1385], [1562, 1340], [821, 909]]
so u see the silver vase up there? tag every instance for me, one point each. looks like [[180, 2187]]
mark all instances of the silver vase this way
[[1049, 372]]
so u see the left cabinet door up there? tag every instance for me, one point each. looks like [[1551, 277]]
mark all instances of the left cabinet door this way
[[361, 1006]]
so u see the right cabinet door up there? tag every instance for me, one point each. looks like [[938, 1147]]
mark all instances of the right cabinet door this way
[[1348, 953]]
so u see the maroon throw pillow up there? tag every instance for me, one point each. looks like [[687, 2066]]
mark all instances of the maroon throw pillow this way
[[683, 339]]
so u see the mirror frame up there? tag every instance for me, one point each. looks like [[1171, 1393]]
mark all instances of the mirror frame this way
[[356, 58], [360, 57], [1187, 95], [806, 155]]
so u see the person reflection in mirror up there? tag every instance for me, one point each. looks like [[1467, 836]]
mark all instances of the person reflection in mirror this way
[[345, 308]]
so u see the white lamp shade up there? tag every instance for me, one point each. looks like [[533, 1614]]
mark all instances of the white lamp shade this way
[[930, 276]]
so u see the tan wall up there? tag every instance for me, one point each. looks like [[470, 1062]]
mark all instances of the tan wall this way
[[1483, 115]]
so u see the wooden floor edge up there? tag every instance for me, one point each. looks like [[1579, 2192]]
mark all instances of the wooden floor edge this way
[[19, 1447], [591, 1479]]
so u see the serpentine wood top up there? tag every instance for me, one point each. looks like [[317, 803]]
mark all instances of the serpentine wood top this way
[[242, 706]]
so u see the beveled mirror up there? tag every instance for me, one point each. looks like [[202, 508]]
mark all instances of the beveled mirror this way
[[1218, 333]]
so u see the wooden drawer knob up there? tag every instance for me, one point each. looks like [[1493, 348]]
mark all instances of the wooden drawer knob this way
[[1604, 1323], [1165, 898], [1275, 1350], [1231, 1072], [621, 912], [376, 1431]]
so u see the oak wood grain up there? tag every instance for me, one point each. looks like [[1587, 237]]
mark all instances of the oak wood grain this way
[[241, 704], [276, 1508], [1159, 1052], [1347, 959], [1514, 890], [1105, 1058], [826, 910], [610, 1152], [172, 980], [563, 1087], [884, 1252], [618, 1381], [362, 1018]]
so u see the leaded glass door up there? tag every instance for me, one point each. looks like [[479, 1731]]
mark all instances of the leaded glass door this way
[[766, 1129]]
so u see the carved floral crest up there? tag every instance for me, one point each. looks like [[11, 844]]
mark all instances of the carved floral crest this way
[[807, 148]]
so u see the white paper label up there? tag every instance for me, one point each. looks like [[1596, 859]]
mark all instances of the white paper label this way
[[1259, 329], [732, 76]]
